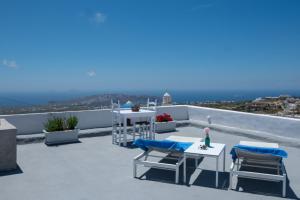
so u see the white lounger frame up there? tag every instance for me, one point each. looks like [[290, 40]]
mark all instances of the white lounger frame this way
[[235, 171], [142, 159]]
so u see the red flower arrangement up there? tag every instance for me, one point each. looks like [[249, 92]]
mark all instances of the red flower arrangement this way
[[164, 118]]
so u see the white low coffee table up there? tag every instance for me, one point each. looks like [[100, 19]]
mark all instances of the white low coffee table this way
[[194, 151]]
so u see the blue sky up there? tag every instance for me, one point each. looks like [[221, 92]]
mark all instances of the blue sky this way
[[149, 44]]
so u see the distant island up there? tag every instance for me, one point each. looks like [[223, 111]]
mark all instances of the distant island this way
[[282, 105], [101, 101]]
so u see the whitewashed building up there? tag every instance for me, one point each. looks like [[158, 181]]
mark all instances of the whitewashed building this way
[[167, 99]]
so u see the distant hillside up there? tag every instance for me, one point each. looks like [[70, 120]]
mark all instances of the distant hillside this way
[[82, 103], [105, 100]]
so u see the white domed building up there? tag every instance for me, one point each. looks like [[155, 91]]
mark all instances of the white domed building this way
[[167, 99]]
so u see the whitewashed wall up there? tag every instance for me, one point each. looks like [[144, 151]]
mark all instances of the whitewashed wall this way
[[280, 126], [34, 122], [238, 121], [177, 112]]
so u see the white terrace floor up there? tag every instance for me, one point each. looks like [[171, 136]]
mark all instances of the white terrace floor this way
[[96, 169]]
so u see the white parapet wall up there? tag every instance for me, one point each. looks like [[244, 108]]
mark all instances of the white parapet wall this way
[[178, 112], [252, 124], [34, 122], [245, 122]]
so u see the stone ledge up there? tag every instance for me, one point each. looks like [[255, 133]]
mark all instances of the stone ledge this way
[[95, 132], [40, 137]]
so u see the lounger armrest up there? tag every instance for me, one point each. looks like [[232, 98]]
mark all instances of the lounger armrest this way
[[283, 169], [232, 166], [141, 155]]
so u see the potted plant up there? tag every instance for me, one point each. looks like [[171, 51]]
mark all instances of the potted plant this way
[[60, 130], [164, 123], [135, 108]]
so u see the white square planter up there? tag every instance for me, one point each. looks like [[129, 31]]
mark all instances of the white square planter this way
[[161, 127], [60, 137]]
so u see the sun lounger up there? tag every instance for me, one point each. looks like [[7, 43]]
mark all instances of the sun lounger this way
[[171, 148], [259, 155]]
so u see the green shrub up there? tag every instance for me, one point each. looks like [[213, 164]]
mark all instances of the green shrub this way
[[61, 124], [72, 122], [55, 124]]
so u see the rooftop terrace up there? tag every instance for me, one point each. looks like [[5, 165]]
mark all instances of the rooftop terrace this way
[[94, 168]]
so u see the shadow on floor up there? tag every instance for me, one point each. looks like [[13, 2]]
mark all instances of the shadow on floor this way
[[64, 143], [171, 131], [168, 176], [266, 188], [129, 145], [18, 170], [207, 178]]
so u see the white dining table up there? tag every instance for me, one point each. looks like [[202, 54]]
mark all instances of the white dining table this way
[[129, 114]]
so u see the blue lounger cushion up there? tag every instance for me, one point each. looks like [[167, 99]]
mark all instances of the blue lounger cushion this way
[[260, 150], [163, 144]]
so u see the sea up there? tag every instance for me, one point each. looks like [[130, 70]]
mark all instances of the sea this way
[[178, 96]]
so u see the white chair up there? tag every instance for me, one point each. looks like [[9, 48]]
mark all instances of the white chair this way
[[116, 123], [256, 160], [142, 127], [143, 124], [151, 105]]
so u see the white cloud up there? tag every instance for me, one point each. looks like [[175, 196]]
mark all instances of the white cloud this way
[[99, 18], [9, 63], [91, 73], [95, 17], [203, 6]]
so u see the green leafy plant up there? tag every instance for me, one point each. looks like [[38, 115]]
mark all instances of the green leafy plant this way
[[61, 124], [55, 124], [72, 122]]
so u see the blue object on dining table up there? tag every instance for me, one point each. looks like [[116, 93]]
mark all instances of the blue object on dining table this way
[[128, 105]]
